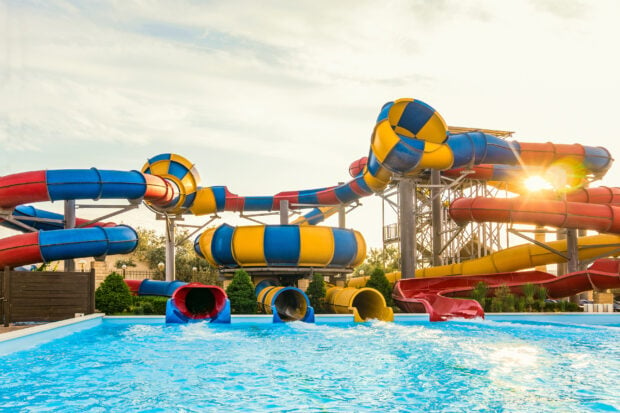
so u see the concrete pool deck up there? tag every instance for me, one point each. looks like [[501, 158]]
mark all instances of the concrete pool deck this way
[[13, 327]]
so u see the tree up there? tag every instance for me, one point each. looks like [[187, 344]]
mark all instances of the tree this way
[[127, 263], [113, 295], [387, 258], [241, 294], [188, 265], [316, 293], [379, 282]]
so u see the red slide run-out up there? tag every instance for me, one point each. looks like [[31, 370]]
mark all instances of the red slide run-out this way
[[435, 295]]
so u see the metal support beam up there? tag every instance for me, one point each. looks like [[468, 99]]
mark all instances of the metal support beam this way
[[572, 250], [436, 215], [197, 229], [170, 249], [561, 266], [342, 214], [122, 210], [538, 243], [407, 227], [70, 223], [284, 212]]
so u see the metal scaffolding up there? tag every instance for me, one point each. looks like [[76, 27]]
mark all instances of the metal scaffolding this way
[[438, 239], [445, 243]]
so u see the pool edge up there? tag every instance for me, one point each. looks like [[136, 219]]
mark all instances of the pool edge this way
[[29, 337]]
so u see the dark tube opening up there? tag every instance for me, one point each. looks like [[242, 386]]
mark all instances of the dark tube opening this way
[[370, 304], [199, 301], [291, 305]]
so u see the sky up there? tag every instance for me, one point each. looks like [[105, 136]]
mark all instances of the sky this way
[[279, 95]]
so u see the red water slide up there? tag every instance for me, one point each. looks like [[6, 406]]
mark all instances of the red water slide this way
[[435, 295]]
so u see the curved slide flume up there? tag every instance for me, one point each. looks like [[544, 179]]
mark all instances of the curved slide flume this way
[[534, 211], [595, 215]]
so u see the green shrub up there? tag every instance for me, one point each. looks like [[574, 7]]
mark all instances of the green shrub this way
[[316, 293], [479, 293], [503, 300], [528, 292], [241, 294], [561, 306], [379, 282], [541, 295], [509, 303], [149, 305], [113, 295]]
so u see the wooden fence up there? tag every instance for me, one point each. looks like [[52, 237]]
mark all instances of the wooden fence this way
[[45, 296]]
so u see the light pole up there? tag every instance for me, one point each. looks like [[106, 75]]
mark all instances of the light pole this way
[[161, 267], [124, 267]]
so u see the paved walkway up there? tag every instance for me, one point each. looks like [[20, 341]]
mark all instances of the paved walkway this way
[[12, 327]]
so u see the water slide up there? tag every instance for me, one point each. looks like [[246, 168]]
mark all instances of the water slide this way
[[188, 302], [435, 295], [166, 188], [591, 209], [595, 210], [283, 303], [409, 137]]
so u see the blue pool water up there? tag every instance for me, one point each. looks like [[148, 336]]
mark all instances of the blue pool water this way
[[414, 366]]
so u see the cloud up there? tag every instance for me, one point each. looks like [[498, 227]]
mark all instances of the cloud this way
[[565, 9], [282, 95]]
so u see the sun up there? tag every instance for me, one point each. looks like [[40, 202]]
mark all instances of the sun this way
[[536, 183]]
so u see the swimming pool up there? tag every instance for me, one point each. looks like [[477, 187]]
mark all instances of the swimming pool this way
[[507, 364]]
